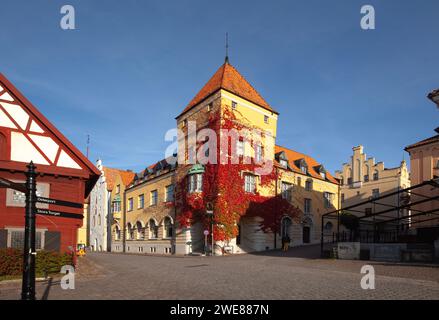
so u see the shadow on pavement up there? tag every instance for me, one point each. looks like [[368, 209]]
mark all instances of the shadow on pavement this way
[[304, 252]]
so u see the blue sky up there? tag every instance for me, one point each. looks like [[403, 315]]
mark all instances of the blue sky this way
[[132, 66]]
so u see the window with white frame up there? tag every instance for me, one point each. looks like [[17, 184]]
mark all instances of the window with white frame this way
[[327, 199], [141, 203], [283, 163], [154, 197], [259, 153], [308, 185], [303, 168], [240, 147], [116, 206], [286, 191], [195, 182], [17, 239], [169, 193], [307, 206], [130, 204], [250, 183]]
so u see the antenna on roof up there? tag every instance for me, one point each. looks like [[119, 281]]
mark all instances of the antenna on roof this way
[[227, 47], [88, 144]]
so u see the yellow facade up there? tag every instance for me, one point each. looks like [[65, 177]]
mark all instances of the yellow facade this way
[[83, 231]]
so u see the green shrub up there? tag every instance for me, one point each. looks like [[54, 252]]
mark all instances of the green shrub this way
[[47, 262]]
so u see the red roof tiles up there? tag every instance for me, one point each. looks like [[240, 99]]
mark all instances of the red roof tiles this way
[[111, 175], [228, 78], [311, 162]]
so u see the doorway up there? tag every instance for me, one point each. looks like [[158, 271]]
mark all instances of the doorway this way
[[306, 234]]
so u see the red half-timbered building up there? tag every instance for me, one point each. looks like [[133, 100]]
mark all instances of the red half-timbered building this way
[[64, 173]]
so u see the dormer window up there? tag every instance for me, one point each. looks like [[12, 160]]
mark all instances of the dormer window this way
[[303, 168], [283, 163], [321, 171]]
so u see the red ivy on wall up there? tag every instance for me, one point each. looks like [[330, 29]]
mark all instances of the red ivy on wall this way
[[223, 186]]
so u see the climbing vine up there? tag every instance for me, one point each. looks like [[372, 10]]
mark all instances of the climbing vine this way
[[223, 186]]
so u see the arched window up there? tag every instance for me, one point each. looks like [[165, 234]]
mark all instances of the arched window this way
[[366, 174], [168, 228], [153, 229], [117, 233], [375, 175], [349, 177], [130, 232], [328, 226], [140, 231]]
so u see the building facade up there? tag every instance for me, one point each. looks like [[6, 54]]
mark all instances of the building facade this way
[[84, 230], [118, 211], [100, 217], [163, 210], [424, 164], [363, 179], [64, 173]]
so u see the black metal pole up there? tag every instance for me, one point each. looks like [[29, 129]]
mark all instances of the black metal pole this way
[[28, 284]]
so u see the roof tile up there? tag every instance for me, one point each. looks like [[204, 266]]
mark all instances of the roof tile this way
[[228, 78]]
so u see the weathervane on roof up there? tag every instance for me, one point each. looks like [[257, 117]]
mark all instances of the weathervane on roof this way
[[227, 47]]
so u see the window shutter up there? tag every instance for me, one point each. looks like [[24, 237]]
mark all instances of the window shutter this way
[[3, 238], [52, 241]]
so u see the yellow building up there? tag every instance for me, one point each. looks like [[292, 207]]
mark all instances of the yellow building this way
[[83, 232], [118, 208], [151, 225], [363, 179]]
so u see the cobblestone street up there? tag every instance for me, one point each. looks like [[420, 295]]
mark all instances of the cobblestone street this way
[[272, 275]]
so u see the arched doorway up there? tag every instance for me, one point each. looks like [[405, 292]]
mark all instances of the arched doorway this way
[[306, 230]]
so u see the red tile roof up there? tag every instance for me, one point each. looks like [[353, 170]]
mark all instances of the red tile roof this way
[[228, 78], [311, 162], [111, 175]]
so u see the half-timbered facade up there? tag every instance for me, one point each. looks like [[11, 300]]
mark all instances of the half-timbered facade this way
[[64, 173]]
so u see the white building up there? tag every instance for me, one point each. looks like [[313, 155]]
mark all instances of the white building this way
[[100, 214]]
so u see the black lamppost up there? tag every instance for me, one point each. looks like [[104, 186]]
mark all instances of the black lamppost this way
[[209, 213], [28, 284]]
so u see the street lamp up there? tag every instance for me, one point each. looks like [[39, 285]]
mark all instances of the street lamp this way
[[434, 96]]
